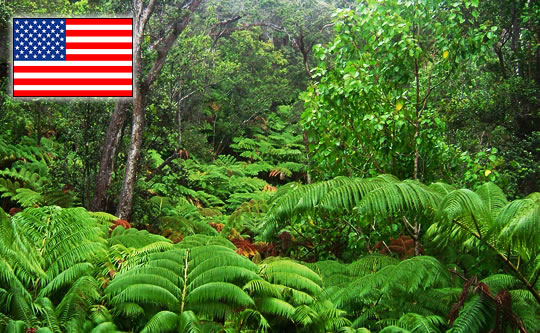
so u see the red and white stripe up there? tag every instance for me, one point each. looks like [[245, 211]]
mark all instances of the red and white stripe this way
[[99, 62]]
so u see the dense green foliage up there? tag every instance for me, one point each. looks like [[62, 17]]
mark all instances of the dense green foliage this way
[[305, 166]]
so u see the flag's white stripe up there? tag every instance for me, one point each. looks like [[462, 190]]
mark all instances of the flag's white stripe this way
[[72, 63], [72, 87], [72, 75], [98, 51], [97, 27], [98, 39]]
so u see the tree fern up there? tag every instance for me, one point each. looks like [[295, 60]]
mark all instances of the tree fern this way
[[193, 275], [14, 151], [28, 188], [476, 316], [468, 210], [396, 286], [372, 196], [507, 230], [52, 252]]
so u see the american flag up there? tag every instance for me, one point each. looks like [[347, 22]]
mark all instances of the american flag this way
[[72, 57]]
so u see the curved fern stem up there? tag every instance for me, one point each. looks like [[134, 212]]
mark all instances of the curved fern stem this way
[[520, 276], [185, 281]]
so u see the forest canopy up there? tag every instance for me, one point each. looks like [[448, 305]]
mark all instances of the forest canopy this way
[[284, 166]]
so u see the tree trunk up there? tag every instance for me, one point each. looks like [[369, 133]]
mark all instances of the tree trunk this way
[[417, 227], [304, 50], [130, 175], [308, 157], [516, 31], [137, 124], [125, 201], [416, 121], [416, 151], [108, 155]]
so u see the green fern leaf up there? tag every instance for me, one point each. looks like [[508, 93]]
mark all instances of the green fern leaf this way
[[189, 323], [217, 291], [161, 322], [275, 306], [474, 317]]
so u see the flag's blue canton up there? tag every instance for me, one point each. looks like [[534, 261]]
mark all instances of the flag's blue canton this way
[[39, 39]]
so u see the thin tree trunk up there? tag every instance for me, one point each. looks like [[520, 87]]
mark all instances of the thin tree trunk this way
[[417, 106], [38, 126], [118, 118], [87, 172], [417, 227], [108, 155], [516, 31], [304, 50], [308, 157], [130, 175], [416, 122]]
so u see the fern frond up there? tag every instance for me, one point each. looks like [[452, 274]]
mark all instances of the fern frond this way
[[371, 264], [17, 326], [275, 306], [66, 277], [442, 188], [204, 240], [123, 282], [474, 317], [261, 287], [46, 308], [146, 293], [129, 309], [21, 307], [134, 238], [250, 315], [394, 329], [106, 327], [226, 273], [103, 217], [408, 195], [288, 266], [163, 321], [78, 300], [304, 315], [517, 225], [350, 193], [493, 197], [219, 291], [189, 323], [292, 279], [28, 198], [497, 282], [421, 324]]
